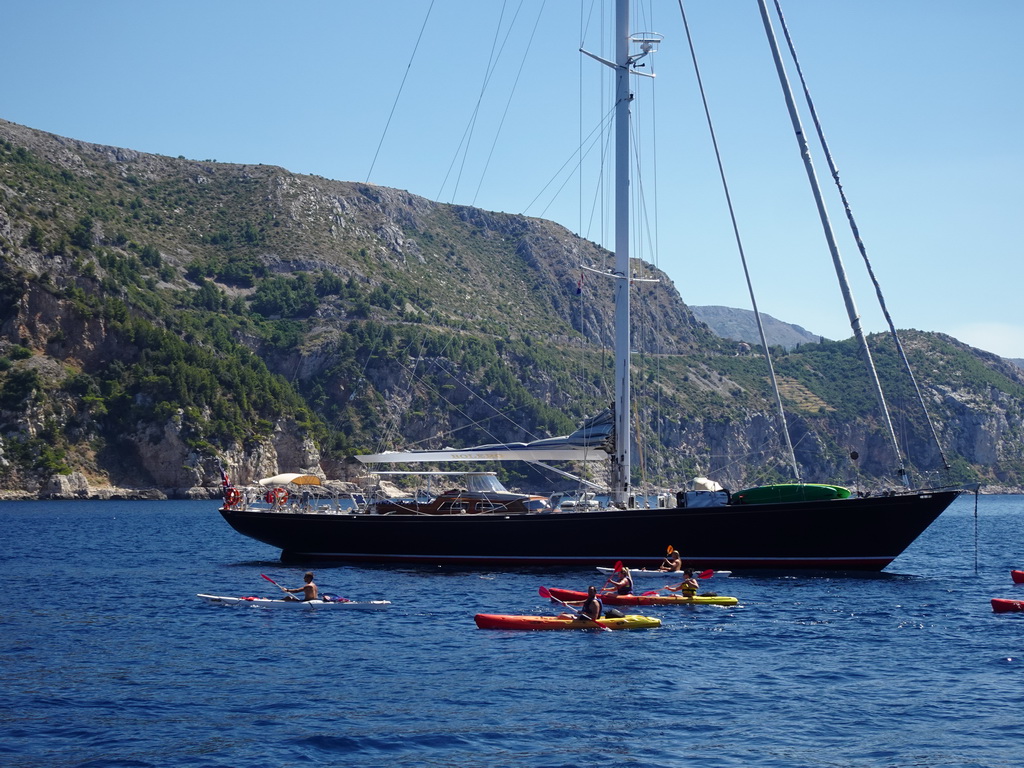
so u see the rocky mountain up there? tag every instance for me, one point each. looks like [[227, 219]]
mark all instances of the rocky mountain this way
[[161, 318], [741, 325]]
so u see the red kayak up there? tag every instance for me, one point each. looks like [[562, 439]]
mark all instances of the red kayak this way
[[1000, 605], [1017, 576], [572, 596]]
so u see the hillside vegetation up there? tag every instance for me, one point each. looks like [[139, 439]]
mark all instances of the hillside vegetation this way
[[161, 316]]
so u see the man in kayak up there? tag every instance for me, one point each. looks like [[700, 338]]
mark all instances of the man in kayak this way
[[621, 586], [591, 608], [672, 563], [308, 590]]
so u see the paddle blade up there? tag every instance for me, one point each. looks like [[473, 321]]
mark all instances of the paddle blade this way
[[544, 592], [706, 574], [671, 549], [273, 582], [618, 566]]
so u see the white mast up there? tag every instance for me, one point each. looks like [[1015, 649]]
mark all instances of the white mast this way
[[623, 66]]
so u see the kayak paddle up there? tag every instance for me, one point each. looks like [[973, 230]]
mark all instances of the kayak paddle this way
[[275, 583], [546, 593], [616, 569], [670, 550]]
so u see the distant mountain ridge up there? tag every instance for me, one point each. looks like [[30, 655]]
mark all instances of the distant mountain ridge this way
[[741, 325]]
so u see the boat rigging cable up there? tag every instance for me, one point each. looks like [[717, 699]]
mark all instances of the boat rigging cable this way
[[508, 102], [416, 378], [837, 261], [495, 55], [398, 95], [596, 138], [467, 134], [477, 422], [644, 241], [856, 233], [790, 452], [977, 491], [392, 424], [392, 429]]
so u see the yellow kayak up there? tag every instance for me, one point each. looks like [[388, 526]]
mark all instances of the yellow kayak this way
[[496, 621]]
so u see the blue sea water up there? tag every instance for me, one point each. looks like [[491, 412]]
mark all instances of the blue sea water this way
[[109, 659]]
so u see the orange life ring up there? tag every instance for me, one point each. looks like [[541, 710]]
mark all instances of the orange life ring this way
[[232, 496], [276, 496]]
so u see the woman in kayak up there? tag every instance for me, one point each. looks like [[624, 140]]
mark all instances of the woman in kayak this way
[[621, 586], [308, 590], [688, 586]]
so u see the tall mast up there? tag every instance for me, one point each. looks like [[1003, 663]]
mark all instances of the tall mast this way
[[623, 66]]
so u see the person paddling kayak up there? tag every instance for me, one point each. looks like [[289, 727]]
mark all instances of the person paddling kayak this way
[[592, 606], [672, 563], [688, 586], [621, 586], [309, 590]]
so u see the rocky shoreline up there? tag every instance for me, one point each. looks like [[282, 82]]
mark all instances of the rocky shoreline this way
[[116, 494], [76, 487]]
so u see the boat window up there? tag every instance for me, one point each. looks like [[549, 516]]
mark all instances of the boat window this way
[[487, 506], [455, 506]]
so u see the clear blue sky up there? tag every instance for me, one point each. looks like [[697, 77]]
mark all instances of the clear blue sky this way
[[921, 101]]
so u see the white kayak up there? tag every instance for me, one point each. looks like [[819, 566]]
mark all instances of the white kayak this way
[[267, 602], [643, 573]]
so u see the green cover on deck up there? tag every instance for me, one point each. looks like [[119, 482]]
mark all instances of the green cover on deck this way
[[769, 494]]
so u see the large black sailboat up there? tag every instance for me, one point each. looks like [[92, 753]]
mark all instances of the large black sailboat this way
[[779, 527], [856, 534]]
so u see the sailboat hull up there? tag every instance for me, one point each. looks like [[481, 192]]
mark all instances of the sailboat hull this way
[[860, 534]]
